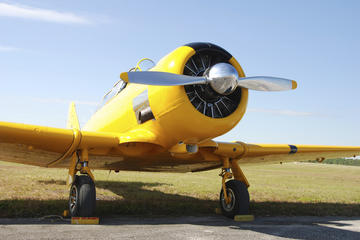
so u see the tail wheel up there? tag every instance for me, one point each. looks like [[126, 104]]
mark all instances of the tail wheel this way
[[82, 199], [239, 199]]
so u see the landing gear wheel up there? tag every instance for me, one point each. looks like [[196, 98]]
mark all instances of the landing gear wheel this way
[[239, 199], [82, 199]]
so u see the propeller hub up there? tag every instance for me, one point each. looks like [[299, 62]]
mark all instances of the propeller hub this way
[[223, 78]]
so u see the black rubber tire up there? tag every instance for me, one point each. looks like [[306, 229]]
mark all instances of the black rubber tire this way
[[85, 194], [240, 199]]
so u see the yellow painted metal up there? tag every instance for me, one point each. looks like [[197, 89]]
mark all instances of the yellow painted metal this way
[[225, 174], [239, 69], [180, 149], [72, 148], [84, 220], [275, 153], [208, 143], [85, 158], [114, 136], [207, 154], [84, 169], [233, 150], [174, 111], [226, 162], [92, 140], [124, 76], [37, 145], [115, 130], [73, 121], [139, 135], [117, 116], [84, 155], [66, 213], [171, 107], [46, 146], [72, 169], [137, 149], [244, 218], [141, 60], [238, 173], [266, 149], [36, 137], [218, 211]]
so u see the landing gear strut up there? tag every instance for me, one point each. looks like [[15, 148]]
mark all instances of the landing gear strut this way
[[238, 203], [82, 198], [234, 195]]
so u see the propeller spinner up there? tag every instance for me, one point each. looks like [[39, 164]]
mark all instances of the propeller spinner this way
[[222, 77]]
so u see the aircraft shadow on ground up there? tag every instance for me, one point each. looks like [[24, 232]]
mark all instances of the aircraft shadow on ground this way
[[135, 200], [131, 198]]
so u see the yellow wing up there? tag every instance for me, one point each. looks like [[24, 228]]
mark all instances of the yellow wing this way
[[46, 146], [275, 153], [52, 147]]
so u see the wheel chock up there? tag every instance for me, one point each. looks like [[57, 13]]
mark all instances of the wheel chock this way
[[84, 220], [65, 213], [244, 218], [218, 211]]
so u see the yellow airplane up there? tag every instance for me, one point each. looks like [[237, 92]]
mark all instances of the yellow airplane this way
[[163, 119]]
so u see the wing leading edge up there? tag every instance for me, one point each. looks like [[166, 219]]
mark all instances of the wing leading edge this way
[[274, 153], [52, 147], [47, 146]]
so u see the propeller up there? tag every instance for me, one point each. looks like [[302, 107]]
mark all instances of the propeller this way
[[222, 77]]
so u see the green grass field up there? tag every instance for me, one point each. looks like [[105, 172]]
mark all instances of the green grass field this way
[[341, 161], [287, 189]]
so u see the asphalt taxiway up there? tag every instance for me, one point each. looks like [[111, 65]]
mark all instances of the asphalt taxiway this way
[[212, 227]]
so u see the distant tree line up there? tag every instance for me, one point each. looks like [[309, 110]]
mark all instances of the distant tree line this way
[[340, 161]]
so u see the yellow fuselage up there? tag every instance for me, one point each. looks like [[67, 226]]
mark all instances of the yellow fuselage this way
[[176, 119]]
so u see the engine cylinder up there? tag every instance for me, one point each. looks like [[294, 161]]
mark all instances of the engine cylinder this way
[[196, 112]]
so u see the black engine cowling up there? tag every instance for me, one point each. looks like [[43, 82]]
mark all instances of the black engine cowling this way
[[203, 97]]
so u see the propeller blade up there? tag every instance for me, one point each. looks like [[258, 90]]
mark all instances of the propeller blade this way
[[263, 83], [221, 76], [161, 78]]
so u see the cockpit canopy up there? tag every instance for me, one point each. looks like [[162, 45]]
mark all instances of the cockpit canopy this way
[[144, 64]]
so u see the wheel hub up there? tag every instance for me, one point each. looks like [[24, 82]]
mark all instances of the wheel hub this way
[[228, 206], [73, 198]]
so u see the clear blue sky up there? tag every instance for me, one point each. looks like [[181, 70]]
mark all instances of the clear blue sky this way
[[52, 52]]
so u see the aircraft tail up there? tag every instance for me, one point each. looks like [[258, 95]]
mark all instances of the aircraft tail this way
[[73, 121]]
